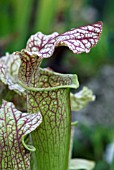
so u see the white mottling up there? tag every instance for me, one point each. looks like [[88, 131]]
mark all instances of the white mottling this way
[[36, 38], [40, 35], [45, 55], [44, 42], [32, 38], [76, 43], [83, 31], [82, 45], [89, 35], [52, 41], [45, 38], [82, 35], [48, 45], [34, 49], [79, 30], [75, 50], [97, 25], [84, 41], [93, 34], [85, 28], [70, 41], [50, 52], [72, 47], [54, 34], [65, 37], [92, 42], [30, 45], [88, 45], [87, 50], [90, 28], [8, 104], [79, 37], [44, 50], [96, 40], [72, 32], [37, 43], [79, 49], [71, 36], [97, 29], [76, 34]]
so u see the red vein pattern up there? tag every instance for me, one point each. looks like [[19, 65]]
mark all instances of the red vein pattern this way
[[13, 125], [78, 40], [41, 46], [52, 79], [29, 68], [52, 137]]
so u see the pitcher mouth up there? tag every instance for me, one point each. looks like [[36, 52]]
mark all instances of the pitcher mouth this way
[[49, 80]]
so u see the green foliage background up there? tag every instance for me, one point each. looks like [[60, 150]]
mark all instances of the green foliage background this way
[[21, 18]]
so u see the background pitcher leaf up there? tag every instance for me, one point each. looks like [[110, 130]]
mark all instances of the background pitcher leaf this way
[[79, 164], [9, 67], [81, 99], [14, 125]]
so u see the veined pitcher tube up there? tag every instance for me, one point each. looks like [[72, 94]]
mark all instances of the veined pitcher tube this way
[[52, 137]]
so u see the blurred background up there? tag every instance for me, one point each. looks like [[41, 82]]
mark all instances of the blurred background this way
[[94, 136]]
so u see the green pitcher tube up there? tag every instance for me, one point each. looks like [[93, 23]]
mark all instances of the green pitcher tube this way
[[52, 138]]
